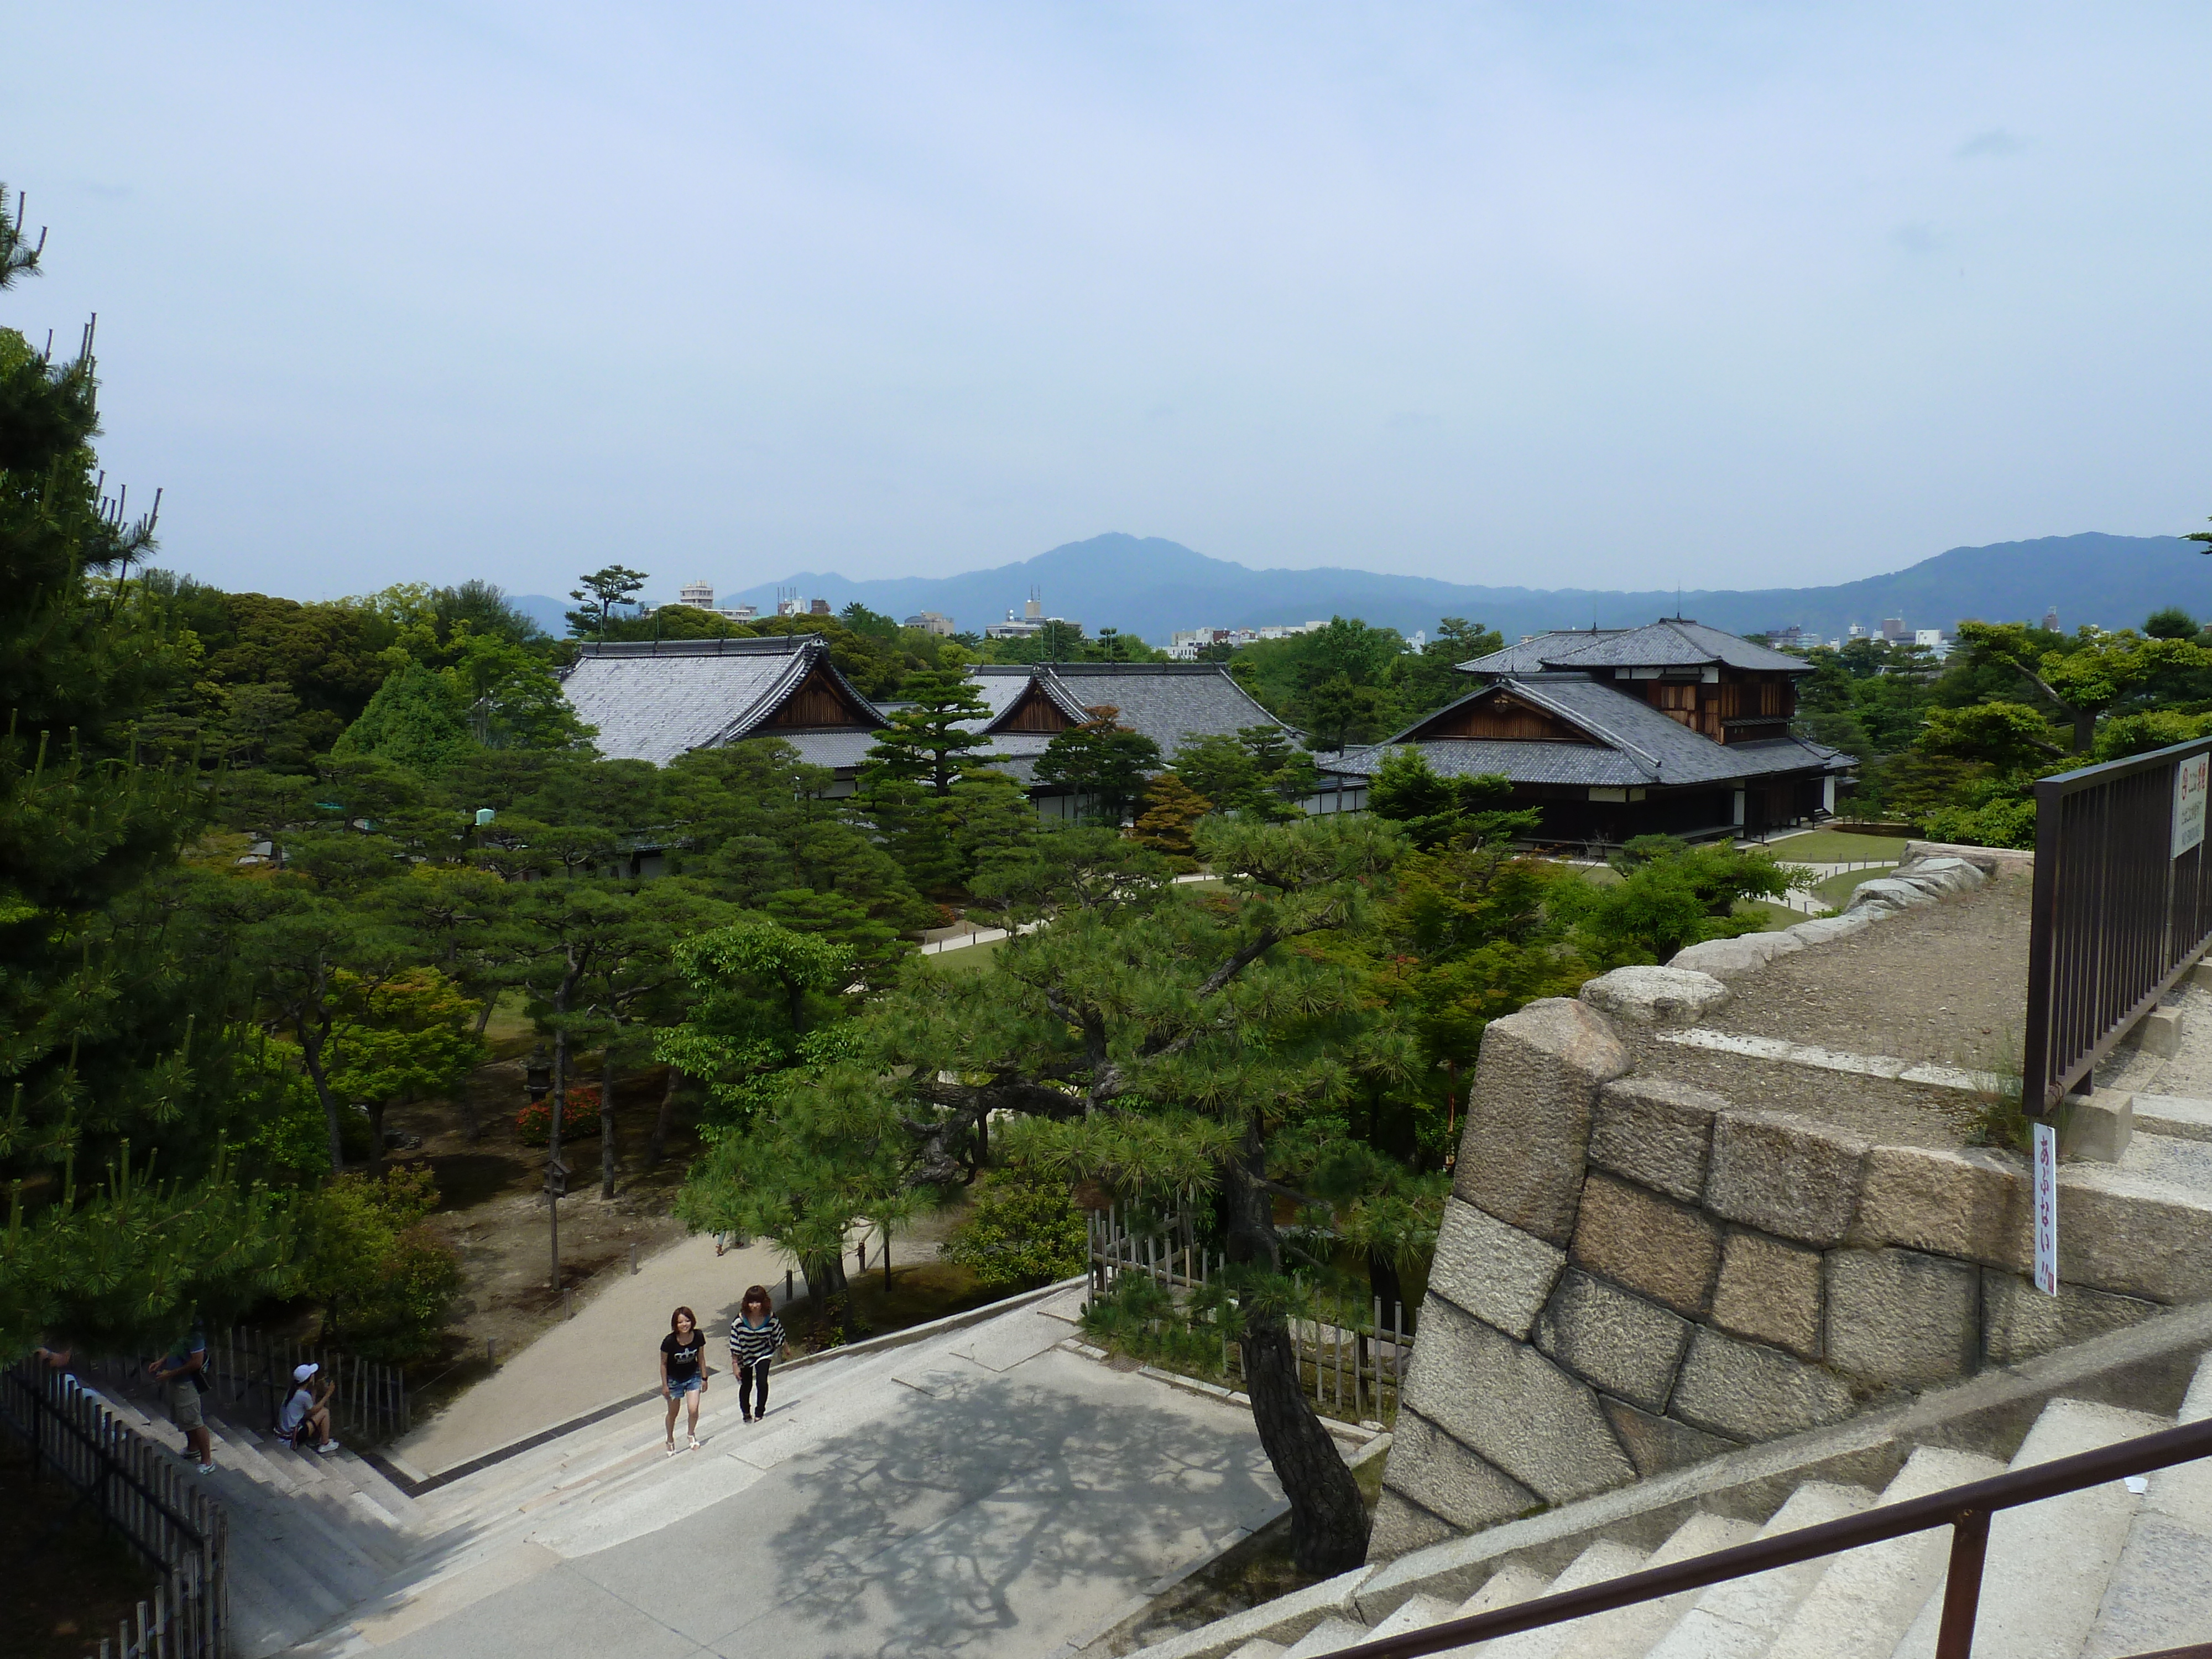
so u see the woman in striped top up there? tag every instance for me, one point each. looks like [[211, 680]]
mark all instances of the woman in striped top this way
[[756, 1338]]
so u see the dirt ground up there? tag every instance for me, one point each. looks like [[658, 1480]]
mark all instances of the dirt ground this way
[[67, 1585], [1946, 983], [492, 1208]]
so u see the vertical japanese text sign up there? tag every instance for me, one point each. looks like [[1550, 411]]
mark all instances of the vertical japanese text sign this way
[[2190, 779], [2045, 1144]]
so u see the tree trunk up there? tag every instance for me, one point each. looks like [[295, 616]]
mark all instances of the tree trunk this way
[[607, 1121], [310, 1057], [658, 1149], [2084, 729], [1328, 1519]]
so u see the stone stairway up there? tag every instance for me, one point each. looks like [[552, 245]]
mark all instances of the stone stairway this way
[[2099, 1574], [310, 1536]]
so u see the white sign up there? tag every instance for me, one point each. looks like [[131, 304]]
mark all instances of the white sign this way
[[2190, 779], [2044, 1146]]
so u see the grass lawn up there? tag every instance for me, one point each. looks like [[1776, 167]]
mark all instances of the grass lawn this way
[[1834, 846], [918, 1294], [1836, 889], [968, 959], [1773, 917]]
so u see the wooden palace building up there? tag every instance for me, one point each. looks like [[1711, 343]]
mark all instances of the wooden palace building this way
[[1673, 728]]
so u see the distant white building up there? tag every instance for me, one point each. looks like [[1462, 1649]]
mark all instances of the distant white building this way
[[1931, 638], [1029, 624], [932, 622], [699, 595], [1419, 641]]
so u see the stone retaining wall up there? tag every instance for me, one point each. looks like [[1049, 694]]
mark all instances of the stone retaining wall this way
[[1635, 1274]]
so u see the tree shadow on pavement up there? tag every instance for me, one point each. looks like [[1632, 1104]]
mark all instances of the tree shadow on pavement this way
[[995, 1506]]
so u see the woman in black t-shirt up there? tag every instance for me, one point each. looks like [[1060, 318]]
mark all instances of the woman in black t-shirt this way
[[683, 1372]]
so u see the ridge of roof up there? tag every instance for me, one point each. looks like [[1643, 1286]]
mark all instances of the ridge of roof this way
[[758, 645]]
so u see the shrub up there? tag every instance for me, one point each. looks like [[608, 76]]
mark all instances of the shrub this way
[[385, 1281], [533, 1124], [1025, 1231]]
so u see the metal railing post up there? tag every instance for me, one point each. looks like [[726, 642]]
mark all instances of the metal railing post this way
[[1962, 1585]]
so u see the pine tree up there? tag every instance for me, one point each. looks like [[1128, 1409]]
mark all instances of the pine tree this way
[[118, 1119]]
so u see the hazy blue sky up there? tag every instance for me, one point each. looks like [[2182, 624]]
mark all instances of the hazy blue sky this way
[[1551, 294]]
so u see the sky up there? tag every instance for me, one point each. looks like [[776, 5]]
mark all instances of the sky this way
[[1589, 294]]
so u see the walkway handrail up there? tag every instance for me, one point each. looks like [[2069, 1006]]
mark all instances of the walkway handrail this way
[[1965, 1510], [2117, 916]]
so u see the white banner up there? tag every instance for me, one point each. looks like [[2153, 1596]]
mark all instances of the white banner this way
[[2190, 780], [2045, 1144]]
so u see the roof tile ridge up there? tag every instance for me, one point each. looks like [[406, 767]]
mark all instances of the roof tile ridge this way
[[1590, 724]]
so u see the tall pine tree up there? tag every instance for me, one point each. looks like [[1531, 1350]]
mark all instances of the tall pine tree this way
[[117, 1117]]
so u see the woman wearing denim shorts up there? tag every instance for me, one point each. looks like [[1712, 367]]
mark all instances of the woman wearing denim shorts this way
[[683, 1372]]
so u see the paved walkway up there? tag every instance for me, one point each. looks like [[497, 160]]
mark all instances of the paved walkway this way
[[610, 1351], [987, 1493]]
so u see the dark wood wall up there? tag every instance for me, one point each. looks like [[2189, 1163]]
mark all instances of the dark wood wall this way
[[1745, 705], [818, 702], [1033, 711], [1504, 716]]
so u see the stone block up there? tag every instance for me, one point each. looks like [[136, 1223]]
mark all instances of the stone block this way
[[1655, 1444], [2019, 1321], [1821, 930], [1450, 1481], [1899, 1316], [1728, 958], [2201, 976], [1769, 1292], [1783, 1174], [2121, 1233], [1962, 874], [1496, 1273], [1889, 892], [1402, 1526], [2098, 1126], [1528, 1114], [1652, 995], [1659, 1248], [1750, 1392], [1656, 1131], [2157, 1032], [1512, 1406], [1968, 1202], [1621, 1343]]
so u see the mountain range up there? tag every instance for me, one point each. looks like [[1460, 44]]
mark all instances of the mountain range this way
[[1154, 587]]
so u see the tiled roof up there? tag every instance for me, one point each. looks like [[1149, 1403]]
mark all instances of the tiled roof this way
[[1528, 656], [1634, 744], [1670, 642], [654, 700], [1169, 703], [1002, 684]]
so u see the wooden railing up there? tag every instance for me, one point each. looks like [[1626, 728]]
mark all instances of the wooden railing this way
[[137, 1491], [249, 1372], [2123, 905], [1355, 1365], [1965, 1510]]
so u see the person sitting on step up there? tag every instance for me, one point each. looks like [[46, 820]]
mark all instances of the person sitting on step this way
[[304, 1419]]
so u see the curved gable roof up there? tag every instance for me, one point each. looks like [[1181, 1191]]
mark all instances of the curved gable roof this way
[[654, 700]]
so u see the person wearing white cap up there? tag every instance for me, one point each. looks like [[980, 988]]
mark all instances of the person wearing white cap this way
[[304, 1419]]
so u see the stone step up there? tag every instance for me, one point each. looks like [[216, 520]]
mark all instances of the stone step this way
[[1602, 1560], [1415, 1612], [1868, 1597], [1740, 1619], [1258, 1647], [2176, 1116], [2044, 1576], [1629, 1632], [2161, 1593], [290, 1600], [1509, 1587], [1330, 1636]]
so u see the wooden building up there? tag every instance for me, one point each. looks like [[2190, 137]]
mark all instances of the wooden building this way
[[1674, 728]]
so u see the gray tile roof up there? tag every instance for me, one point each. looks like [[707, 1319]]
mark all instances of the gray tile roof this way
[[1670, 642], [1001, 686], [1635, 743], [654, 700], [1528, 656], [1169, 703]]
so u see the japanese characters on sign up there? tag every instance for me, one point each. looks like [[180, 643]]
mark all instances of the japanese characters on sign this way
[[2044, 1147]]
